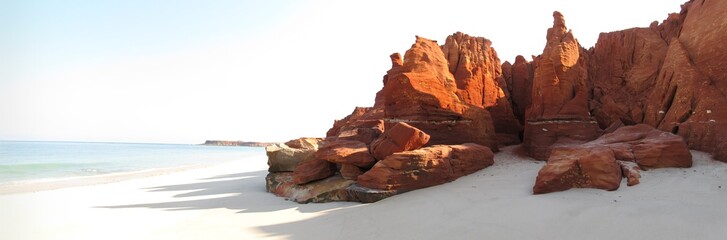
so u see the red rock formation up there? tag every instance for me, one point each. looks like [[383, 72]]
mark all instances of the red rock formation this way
[[345, 152], [426, 167], [623, 68], [421, 91], [559, 96], [691, 89], [312, 170], [580, 168], [478, 75], [671, 76], [401, 137]]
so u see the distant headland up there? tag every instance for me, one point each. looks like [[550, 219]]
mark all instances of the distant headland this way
[[236, 143]]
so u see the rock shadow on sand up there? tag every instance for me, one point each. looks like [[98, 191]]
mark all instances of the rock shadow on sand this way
[[243, 192]]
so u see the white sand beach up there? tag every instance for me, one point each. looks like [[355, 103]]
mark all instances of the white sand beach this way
[[228, 201]]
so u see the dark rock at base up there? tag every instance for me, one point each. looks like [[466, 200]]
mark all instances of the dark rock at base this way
[[331, 189], [326, 190]]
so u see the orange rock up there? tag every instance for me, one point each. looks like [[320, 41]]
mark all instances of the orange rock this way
[[623, 68], [478, 74], [424, 167], [648, 147], [423, 93], [401, 137], [350, 171], [345, 152], [312, 170]]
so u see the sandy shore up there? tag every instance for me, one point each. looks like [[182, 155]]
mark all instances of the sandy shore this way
[[228, 201]]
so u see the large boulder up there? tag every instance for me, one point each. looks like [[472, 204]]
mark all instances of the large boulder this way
[[601, 163], [580, 168], [424, 167], [285, 157], [401, 137], [559, 106], [648, 147]]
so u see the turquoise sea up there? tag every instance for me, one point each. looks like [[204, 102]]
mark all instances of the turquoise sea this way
[[24, 161]]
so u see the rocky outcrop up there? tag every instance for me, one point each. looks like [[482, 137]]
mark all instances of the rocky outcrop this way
[[478, 76], [597, 115], [424, 167], [420, 91], [597, 164], [285, 157], [401, 137], [559, 106]]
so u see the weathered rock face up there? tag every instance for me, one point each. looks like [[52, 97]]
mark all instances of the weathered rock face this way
[[598, 164], [480, 82], [560, 94], [285, 157], [559, 86], [671, 76], [623, 68], [426, 167], [422, 92], [401, 137], [692, 85]]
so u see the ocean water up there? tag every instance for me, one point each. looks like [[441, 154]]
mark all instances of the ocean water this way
[[28, 161]]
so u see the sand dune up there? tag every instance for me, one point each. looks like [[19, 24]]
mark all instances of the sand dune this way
[[228, 201]]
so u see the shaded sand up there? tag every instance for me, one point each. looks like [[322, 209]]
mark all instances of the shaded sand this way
[[229, 201]]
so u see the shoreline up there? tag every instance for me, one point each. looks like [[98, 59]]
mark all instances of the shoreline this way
[[47, 184]]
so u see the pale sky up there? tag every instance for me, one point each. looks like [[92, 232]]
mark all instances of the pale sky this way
[[187, 71]]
